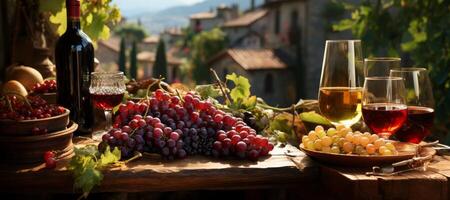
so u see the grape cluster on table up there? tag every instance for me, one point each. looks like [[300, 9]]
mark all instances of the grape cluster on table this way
[[48, 86], [341, 140], [176, 128]]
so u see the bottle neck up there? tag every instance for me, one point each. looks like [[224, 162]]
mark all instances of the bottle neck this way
[[73, 14]]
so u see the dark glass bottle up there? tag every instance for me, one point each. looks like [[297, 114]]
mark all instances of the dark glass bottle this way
[[74, 56]]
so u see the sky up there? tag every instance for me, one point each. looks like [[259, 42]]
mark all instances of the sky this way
[[133, 7]]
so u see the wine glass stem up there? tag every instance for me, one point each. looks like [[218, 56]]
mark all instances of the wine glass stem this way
[[108, 117]]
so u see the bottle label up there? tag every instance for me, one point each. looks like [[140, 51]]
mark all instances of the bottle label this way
[[73, 8]]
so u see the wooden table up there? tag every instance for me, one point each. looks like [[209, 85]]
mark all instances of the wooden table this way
[[277, 171]]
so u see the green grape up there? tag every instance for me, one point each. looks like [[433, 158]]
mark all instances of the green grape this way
[[318, 144], [321, 134], [335, 149], [326, 141], [331, 132], [310, 145]]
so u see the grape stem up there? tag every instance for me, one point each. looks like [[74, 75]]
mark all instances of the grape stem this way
[[301, 103], [219, 82], [137, 155], [21, 96]]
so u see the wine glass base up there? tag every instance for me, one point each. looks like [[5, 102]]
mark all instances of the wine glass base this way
[[97, 135]]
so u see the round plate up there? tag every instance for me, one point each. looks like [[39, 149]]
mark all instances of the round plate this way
[[405, 151]]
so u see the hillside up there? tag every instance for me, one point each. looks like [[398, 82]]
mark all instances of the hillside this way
[[178, 16]]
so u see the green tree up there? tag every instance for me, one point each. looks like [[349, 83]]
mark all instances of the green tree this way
[[133, 61], [204, 46], [416, 29], [132, 32], [96, 16], [122, 62], [160, 66]]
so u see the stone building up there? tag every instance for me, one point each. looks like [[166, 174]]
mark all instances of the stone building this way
[[247, 31], [266, 70], [107, 52], [149, 43], [297, 27], [205, 21], [171, 36]]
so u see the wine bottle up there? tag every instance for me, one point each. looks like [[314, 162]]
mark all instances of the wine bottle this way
[[74, 56]]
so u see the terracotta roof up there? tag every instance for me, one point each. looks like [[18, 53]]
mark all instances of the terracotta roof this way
[[173, 31], [254, 59], [112, 43], [147, 56], [153, 39], [247, 19], [203, 15]]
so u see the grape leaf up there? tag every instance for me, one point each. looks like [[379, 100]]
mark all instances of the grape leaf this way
[[249, 103], [108, 157], [209, 90], [293, 130], [52, 6], [241, 88], [315, 118], [60, 19], [87, 164]]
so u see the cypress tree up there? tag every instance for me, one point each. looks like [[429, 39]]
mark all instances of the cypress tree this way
[[160, 66], [122, 58], [133, 61]]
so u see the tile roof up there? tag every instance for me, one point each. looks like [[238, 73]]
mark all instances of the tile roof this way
[[151, 39], [112, 43], [147, 56], [203, 15], [247, 19], [254, 59]]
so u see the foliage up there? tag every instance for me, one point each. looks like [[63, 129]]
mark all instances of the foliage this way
[[160, 66], [240, 94], [122, 57], [131, 31], [204, 46], [96, 16], [417, 28], [87, 164], [287, 128], [133, 61]]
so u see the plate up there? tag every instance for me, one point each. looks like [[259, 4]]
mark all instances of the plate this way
[[405, 151]]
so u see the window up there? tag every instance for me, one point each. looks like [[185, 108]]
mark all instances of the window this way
[[268, 84], [277, 21]]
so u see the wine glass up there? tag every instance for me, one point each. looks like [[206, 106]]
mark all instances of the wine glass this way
[[340, 91], [384, 104], [420, 102], [380, 66], [107, 90]]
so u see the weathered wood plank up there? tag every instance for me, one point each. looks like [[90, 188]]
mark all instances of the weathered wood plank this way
[[157, 175]]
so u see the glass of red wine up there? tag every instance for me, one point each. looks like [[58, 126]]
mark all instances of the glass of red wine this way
[[107, 90], [420, 102], [384, 104]]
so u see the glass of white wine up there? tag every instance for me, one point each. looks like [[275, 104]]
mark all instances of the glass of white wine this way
[[340, 91]]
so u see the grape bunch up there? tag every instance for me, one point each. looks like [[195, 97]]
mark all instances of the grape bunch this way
[[341, 140], [176, 127], [49, 86], [27, 108]]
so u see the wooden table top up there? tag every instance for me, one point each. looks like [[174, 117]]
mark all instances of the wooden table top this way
[[203, 173]]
